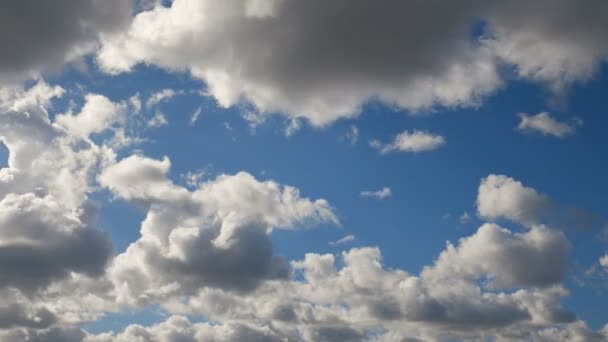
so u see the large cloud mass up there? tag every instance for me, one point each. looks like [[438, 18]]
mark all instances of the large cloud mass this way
[[322, 60]]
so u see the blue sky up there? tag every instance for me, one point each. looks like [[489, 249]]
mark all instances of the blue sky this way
[[490, 147]]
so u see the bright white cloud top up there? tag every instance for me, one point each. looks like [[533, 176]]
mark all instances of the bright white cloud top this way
[[111, 204]]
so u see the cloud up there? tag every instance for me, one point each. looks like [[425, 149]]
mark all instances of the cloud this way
[[216, 235], [97, 115], [545, 124], [160, 96], [457, 297], [538, 257], [383, 193], [178, 328], [464, 218], [158, 120], [415, 141], [49, 244], [604, 261], [393, 54], [39, 37], [501, 196], [351, 136], [195, 115], [305, 75], [557, 46], [344, 240]]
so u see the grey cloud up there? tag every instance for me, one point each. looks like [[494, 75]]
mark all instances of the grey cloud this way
[[18, 315], [43, 243], [40, 36], [323, 60], [316, 59], [500, 196]]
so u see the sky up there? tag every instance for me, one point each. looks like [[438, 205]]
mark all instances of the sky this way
[[284, 170]]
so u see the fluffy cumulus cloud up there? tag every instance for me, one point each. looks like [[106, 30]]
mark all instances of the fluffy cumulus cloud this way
[[42, 36], [353, 297], [216, 235], [546, 125], [502, 197]]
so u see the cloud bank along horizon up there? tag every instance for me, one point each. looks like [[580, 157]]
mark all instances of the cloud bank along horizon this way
[[284, 170]]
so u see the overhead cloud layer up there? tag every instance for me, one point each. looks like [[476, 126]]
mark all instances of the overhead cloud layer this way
[[322, 61]]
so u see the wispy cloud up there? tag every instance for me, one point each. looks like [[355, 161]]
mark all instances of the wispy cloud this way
[[379, 194], [195, 115], [346, 239], [547, 125]]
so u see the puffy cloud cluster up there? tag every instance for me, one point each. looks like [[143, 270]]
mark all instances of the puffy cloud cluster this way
[[216, 235]]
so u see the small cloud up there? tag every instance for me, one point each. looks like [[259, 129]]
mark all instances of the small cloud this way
[[351, 136], [227, 126], [604, 261], [406, 141], [446, 216], [194, 179], [465, 218], [195, 115], [293, 126], [346, 239], [547, 125], [160, 96], [157, 120], [135, 103], [380, 194]]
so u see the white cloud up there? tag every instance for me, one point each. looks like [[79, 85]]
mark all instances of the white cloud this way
[[306, 76], [604, 261], [406, 141], [308, 79], [383, 193], [341, 241], [97, 115], [215, 236], [40, 37], [464, 218], [538, 257], [501, 196], [351, 136], [158, 120], [195, 115], [159, 96], [458, 297], [545, 124]]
